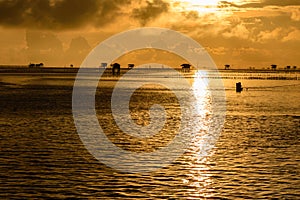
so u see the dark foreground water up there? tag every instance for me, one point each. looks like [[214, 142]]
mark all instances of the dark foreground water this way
[[256, 157]]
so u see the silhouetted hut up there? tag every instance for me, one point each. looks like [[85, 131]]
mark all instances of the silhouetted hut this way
[[227, 66], [116, 68], [185, 67], [103, 65], [130, 66], [273, 67], [31, 65], [40, 65]]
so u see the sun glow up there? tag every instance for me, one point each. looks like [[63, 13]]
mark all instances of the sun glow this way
[[208, 3], [202, 6]]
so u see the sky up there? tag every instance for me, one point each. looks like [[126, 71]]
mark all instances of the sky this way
[[242, 33]]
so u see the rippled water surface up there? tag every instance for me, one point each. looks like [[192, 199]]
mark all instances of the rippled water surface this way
[[257, 155]]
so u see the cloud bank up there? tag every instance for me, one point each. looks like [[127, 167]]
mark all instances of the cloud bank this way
[[68, 14]]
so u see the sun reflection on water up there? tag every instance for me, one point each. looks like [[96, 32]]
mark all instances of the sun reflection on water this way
[[200, 90], [198, 176]]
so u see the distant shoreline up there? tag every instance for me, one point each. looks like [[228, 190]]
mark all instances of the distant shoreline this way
[[26, 69], [278, 74]]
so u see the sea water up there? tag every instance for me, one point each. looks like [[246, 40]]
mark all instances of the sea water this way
[[257, 155]]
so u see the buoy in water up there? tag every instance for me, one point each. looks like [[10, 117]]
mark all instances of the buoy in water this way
[[238, 87]]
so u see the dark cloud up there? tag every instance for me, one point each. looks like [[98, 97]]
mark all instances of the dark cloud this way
[[58, 14], [262, 4], [151, 10]]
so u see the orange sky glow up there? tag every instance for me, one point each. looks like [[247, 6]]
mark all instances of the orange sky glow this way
[[243, 33]]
